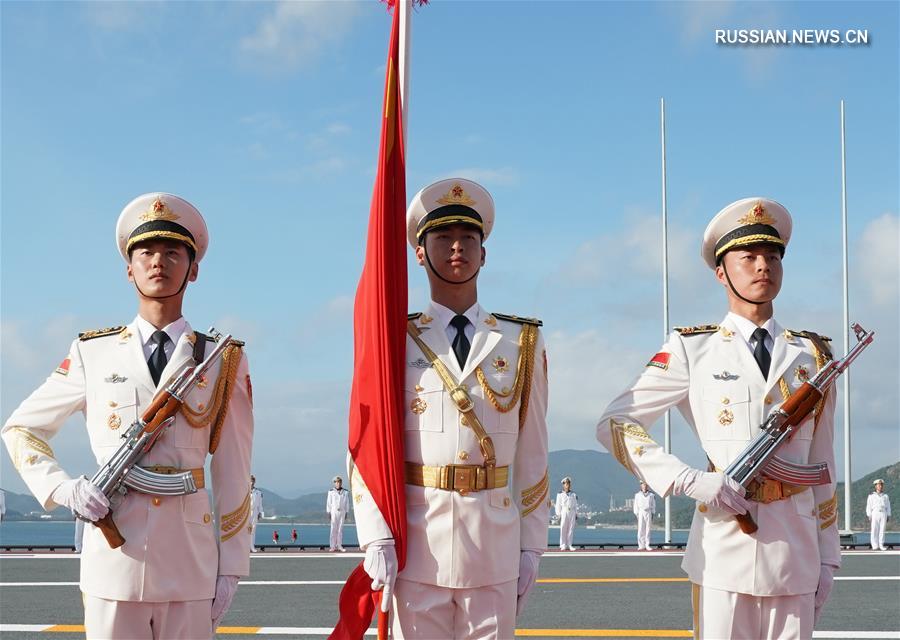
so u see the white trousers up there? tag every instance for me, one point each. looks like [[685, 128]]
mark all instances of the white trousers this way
[[724, 615], [429, 612], [119, 619], [336, 539], [566, 530], [876, 534], [643, 536]]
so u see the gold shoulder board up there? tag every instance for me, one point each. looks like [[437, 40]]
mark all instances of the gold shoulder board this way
[[700, 328], [518, 319], [99, 333], [808, 335], [819, 341], [413, 316]]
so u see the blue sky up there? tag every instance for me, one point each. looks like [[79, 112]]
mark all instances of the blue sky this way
[[265, 116]]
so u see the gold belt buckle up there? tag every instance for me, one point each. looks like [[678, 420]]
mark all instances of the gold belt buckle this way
[[770, 491], [463, 478]]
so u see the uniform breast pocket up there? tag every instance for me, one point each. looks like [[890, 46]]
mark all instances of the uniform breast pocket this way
[[726, 412], [424, 406], [113, 410]]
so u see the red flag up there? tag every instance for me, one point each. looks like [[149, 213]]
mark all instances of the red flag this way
[[379, 327]]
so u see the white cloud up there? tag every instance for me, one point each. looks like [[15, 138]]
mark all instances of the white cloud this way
[[338, 129], [879, 259], [293, 34], [634, 250], [121, 16], [501, 176], [700, 19], [264, 122]]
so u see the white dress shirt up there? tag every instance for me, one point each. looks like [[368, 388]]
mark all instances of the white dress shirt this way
[[146, 331]]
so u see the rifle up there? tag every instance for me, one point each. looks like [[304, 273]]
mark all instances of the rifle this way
[[121, 471], [759, 458]]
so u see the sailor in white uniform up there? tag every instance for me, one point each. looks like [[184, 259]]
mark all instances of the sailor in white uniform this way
[[566, 507], [644, 508], [878, 510], [724, 379]]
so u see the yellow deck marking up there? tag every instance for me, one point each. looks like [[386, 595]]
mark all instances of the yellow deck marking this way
[[65, 628], [244, 630], [580, 580], [604, 633]]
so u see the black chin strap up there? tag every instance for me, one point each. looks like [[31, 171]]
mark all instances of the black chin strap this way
[[180, 289], [435, 271], [735, 291]]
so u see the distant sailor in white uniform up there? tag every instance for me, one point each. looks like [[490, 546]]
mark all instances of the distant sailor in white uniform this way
[[256, 511], [724, 379], [566, 507], [178, 570], [644, 508], [476, 472], [878, 510], [337, 505]]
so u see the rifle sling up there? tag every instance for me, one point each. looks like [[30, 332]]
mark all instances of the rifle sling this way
[[463, 402]]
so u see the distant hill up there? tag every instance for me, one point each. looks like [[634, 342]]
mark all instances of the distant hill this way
[[20, 506], [595, 476]]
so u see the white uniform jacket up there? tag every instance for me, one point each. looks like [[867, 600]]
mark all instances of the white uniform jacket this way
[[878, 503], [566, 504], [174, 546], [337, 502], [256, 506], [472, 540], [711, 376], [644, 503]]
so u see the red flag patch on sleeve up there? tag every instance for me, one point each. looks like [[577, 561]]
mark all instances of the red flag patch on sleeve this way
[[63, 368], [660, 360]]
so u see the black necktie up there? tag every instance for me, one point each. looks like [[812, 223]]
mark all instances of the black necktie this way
[[760, 353], [158, 359], [461, 344]]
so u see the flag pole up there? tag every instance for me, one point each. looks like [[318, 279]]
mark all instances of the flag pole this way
[[847, 474], [665, 277], [405, 7]]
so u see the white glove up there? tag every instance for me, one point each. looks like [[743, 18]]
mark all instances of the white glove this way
[[826, 581], [381, 565], [715, 489], [528, 573], [82, 498], [226, 587]]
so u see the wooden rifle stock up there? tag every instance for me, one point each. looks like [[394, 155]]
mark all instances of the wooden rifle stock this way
[[110, 531], [800, 404], [746, 523]]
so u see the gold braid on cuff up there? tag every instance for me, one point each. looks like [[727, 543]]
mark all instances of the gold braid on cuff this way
[[828, 512], [25, 440], [233, 523], [533, 496], [619, 431]]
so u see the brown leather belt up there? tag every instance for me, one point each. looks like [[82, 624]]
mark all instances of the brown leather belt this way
[[455, 477], [767, 490], [199, 477]]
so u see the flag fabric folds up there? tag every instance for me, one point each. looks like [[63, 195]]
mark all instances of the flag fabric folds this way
[[379, 327]]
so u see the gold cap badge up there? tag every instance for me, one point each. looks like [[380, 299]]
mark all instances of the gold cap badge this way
[[757, 215], [159, 210], [456, 195]]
